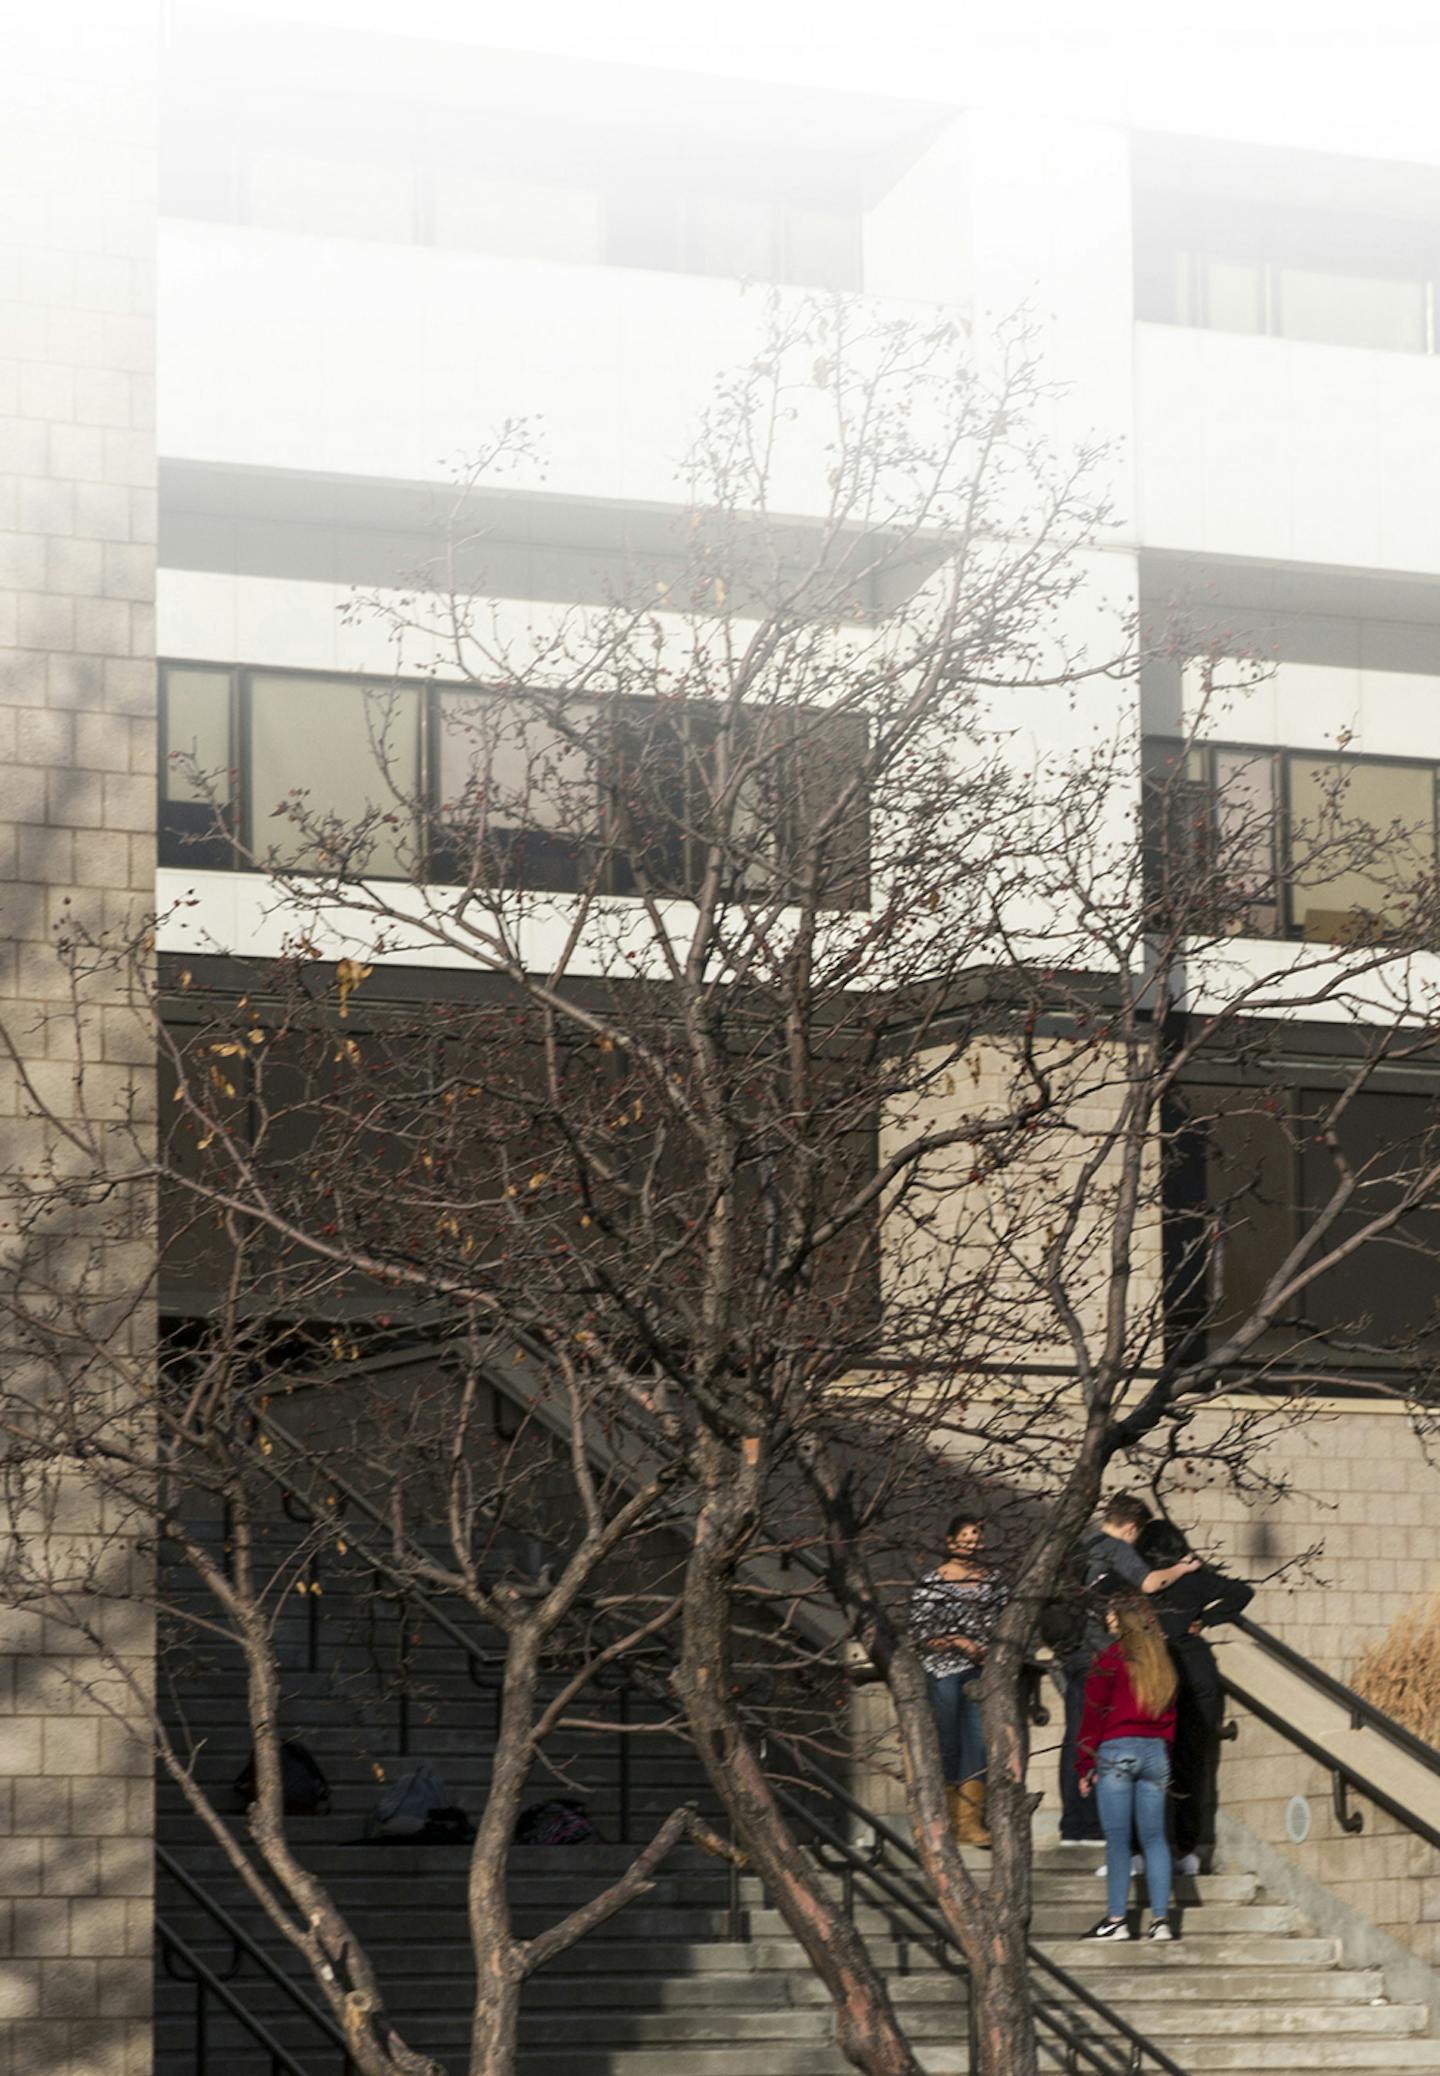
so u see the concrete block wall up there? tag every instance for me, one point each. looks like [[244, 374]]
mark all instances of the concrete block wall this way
[[77, 789], [1364, 1496]]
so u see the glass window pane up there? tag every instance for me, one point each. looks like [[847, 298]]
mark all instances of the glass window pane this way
[[645, 228], [196, 724], [507, 758], [353, 749], [730, 234], [513, 789], [199, 171], [1361, 836], [822, 248], [1245, 828], [1352, 309], [1233, 294], [530, 219], [331, 197]]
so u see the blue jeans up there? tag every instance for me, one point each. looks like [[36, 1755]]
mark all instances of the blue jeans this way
[[957, 1719], [1133, 1776]]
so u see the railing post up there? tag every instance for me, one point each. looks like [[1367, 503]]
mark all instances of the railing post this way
[[202, 2040], [623, 1763]]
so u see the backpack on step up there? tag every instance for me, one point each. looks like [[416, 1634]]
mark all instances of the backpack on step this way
[[303, 1785], [418, 1806], [562, 1821]]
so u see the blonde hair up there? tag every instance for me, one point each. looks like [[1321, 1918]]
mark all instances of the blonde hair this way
[[1147, 1657]]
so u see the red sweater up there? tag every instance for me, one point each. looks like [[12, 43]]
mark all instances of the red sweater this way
[[1112, 1710]]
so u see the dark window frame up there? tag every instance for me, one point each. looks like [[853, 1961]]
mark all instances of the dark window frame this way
[[434, 849], [1282, 755], [1194, 1311]]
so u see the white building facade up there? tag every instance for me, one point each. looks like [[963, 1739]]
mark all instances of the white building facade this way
[[370, 248]]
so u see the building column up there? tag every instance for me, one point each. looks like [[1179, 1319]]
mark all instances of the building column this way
[[77, 814]]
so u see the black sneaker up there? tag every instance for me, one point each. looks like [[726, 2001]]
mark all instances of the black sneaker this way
[[1161, 1932], [1109, 1928]]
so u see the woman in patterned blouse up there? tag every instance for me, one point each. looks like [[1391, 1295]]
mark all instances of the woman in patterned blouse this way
[[953, 1611]]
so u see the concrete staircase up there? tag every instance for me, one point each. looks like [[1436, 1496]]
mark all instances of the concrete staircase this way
[[676, 1987], [701, 1977]]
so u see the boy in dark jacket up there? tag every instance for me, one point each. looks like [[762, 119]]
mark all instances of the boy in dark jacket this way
[[1111, 1557], [1194, 1602]]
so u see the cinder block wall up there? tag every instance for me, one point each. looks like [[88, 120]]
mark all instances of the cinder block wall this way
[[1365, 1496], [77, 790]]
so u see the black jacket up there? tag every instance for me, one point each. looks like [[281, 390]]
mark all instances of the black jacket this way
[[1205, 1596]]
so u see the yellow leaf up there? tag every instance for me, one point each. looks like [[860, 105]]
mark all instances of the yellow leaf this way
[[537, 1179], [349, 973]]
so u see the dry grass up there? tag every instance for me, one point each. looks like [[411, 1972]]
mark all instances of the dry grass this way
[[1401, 1673]]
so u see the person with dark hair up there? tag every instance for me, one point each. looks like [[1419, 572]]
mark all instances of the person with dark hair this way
[[1194, 1603], [1075, 1631], [953, 1610]]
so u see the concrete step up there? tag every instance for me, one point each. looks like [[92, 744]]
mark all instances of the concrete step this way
[[1056, 1919], [941, 2020], [1328, 2051]]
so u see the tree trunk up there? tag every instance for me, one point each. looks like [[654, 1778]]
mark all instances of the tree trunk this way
[[499, 1969], [1004, 2022], [866, 2027]]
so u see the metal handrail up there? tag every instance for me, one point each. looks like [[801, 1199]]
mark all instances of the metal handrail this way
[[209, 1984], [1363, 1714], [241, 1940], [896, 1840], [1140, 2046], [1342, 1776]]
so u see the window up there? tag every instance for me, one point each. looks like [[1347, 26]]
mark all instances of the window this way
[[697, 232], [1295, 274], [1362, 843], [332, 197], [470, 198], [1211, 833], [196, 756], [1265, 842], [1250, 1172], [530, 219], [451, 783], [349, 754], [515, 800]]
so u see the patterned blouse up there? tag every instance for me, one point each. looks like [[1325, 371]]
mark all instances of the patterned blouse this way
[[954, 1607]]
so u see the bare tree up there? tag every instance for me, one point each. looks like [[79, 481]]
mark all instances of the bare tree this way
[[823, 1073]]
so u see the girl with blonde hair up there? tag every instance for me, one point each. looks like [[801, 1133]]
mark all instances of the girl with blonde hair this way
[[1126, 1732]]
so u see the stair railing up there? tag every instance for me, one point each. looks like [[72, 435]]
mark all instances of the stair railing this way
[[1363, 1715], [1141, 2054], [1138, 2053], [210, 1983]]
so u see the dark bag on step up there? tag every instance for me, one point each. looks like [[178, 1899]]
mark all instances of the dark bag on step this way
[[559, 1822], [303, 1784]]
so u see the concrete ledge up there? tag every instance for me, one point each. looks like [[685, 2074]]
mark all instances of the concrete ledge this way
[[1408, 1979]]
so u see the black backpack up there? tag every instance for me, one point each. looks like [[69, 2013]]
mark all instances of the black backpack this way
[[302, 1780], [562, 1821]]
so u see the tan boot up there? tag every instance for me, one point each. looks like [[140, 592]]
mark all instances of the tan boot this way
[[967, 1813]]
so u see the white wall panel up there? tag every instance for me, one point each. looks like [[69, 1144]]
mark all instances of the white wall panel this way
[[1314, 706], [1286, 452], [355, 359]]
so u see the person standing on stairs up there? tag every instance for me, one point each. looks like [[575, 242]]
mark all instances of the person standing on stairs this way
[[1126, 1731], [1194, 1603], [953, 1611], [1075, 1631]]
